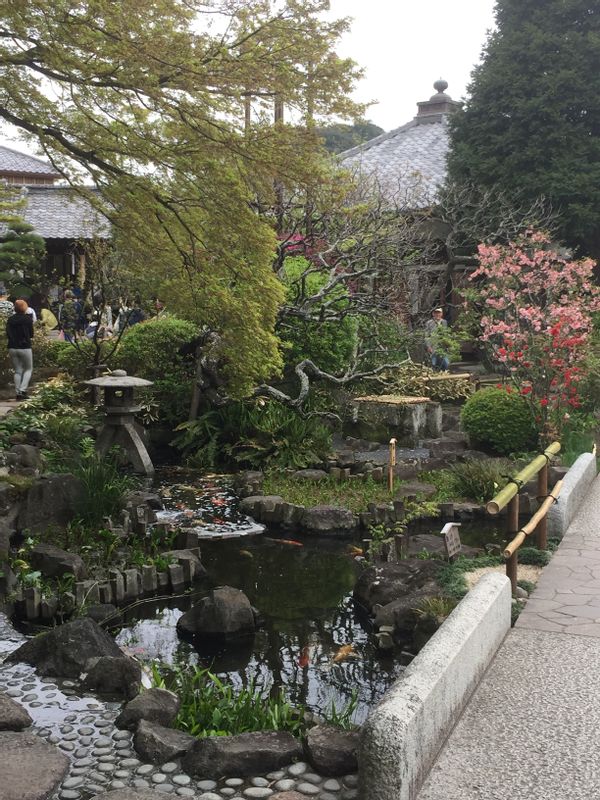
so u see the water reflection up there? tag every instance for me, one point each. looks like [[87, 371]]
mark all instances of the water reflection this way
[[303, 594]]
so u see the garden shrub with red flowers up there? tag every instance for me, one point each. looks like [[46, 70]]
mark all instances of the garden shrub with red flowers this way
[[536, 309]]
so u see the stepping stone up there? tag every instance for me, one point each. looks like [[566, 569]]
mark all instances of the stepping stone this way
[[13, 717], [30, 769]]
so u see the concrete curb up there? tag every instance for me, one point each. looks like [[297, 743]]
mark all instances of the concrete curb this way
[[404, 733], [575, 486]]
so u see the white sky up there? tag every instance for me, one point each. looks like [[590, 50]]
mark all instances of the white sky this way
[[404, 46]]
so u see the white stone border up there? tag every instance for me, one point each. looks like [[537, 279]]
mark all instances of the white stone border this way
[[404, 733], [576, 484]]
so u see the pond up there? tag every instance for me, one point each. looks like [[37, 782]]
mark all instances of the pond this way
[[303, 590]]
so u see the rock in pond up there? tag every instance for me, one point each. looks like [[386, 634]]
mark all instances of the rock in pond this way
[[118, 677], [332, 751], [383, 583], [154, 705], [13, 717], [242, 755], [53, 562], [224, 614], [158, 744], [329, 520], [65, 650], [30, 769]]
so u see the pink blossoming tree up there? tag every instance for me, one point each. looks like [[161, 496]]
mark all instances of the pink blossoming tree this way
[[536, 317]]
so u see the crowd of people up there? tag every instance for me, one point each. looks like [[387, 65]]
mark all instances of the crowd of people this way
[[64, 314]]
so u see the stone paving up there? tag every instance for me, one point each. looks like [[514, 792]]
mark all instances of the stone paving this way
[[103, 758], [531, 727]]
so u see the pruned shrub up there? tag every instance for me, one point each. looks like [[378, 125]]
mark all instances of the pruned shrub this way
[[153, 350], [499, 420]]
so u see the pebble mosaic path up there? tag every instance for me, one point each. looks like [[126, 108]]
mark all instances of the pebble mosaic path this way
[[102, 756]]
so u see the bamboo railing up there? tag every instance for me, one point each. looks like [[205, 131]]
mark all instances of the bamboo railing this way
[[509, 496]]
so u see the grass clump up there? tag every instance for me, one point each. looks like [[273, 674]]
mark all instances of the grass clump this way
[[477, 481], [211, 707], [452, 576], [355, 495]]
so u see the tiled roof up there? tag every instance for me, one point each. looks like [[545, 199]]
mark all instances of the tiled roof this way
[[408, 160], [13, 162], [409, 163], [60, 213]]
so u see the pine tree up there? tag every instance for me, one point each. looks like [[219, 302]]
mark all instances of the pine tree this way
[[531, 124]]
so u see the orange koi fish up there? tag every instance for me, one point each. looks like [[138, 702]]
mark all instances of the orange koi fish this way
[[305, 654], [355, 551], [344, 652]]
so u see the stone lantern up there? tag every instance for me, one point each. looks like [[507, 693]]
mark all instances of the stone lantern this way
[[120, 427]]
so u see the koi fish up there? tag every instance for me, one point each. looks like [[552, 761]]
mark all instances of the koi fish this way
[[218, 501], [246, 554], [355, 551], [286, 541], [305, 654], [344, 652]]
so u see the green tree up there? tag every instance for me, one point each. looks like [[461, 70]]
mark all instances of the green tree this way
[[531, 123], [21, 250], [338, 137], [147, 98]]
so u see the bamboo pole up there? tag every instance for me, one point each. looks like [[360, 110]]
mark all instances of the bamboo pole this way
[[512, 526], [528, 529], [505, 495], [392, 464], [542, 492]]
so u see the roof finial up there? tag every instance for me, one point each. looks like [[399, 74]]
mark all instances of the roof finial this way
[[440, 85]]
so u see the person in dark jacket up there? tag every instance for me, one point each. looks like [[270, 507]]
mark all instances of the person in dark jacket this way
[[19, 330]]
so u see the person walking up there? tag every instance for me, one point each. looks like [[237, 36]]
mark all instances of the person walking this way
[[19, 331]]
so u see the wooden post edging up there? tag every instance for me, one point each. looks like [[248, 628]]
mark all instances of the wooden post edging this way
[[392, 464]]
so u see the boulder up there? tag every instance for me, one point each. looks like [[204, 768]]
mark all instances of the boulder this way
[[225, 613], [332, 751], [154, 705], [13, 717], [192, 564], [383, 583], [30, 769], [118, 677], [242, 755], [158, 744], [416, 488], [8, 528], [329, 520], [312, 475], [53, 562], [264, 508], [24, 457], [51, 500], [401, 614], [64, 651]]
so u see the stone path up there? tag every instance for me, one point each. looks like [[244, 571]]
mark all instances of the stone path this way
[[530, 730], [102, 757], [6, 406]]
